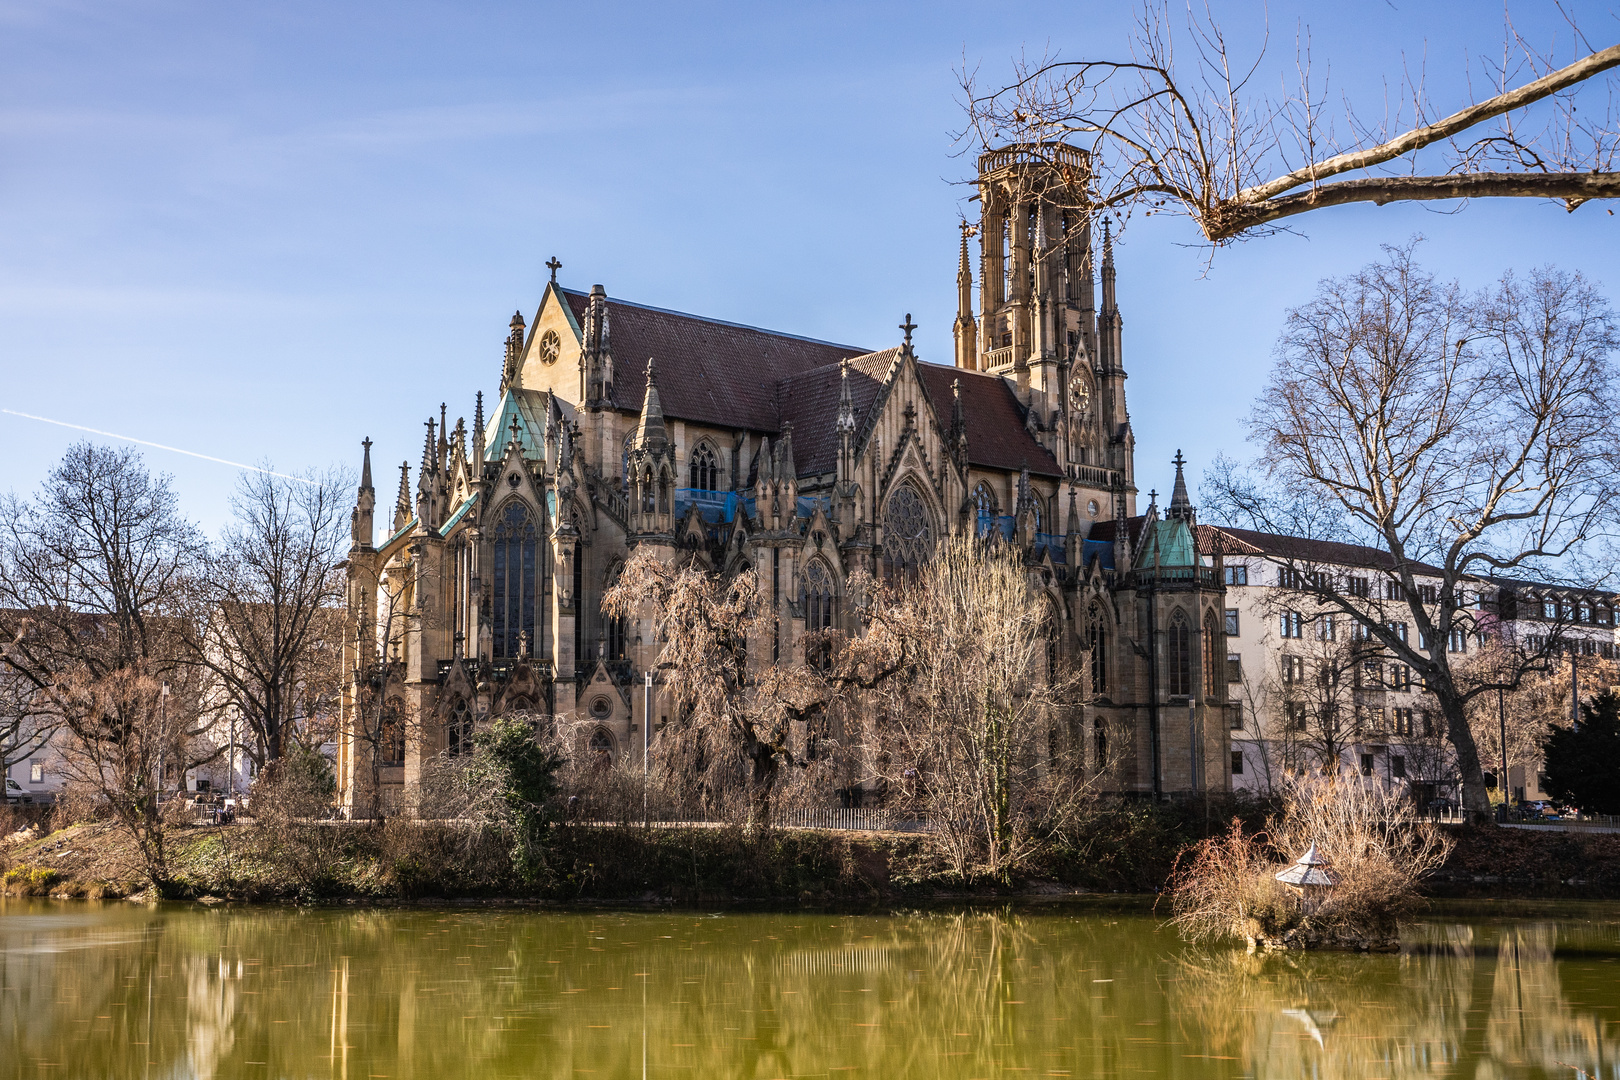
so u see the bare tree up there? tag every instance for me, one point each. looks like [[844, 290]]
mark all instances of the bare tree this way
[[97, 575], [270, 633], [1203, 140], [1319, 681], [973, 734], [381, 725], [1463, 437]]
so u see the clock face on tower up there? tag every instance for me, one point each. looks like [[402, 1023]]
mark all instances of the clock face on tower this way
[[1079, 394], [550, 347]]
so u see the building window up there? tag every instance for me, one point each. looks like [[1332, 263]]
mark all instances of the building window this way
[[458, 730], [391, 735], [704, 471], [1366, 764], [1397, 766], [1398, 629], [1178, 654], [1231, 622], [1097, 643], [1394, 590], [1400, 677], [1403, 722], [908, 534], [1605, 616], [1549, 610], [1235, 716], [36, 771], [1212, 655], [1295, 716], [1293, 669], [1457, 640], [1293, 624], [1429, 594], [1234, 667], [515, 569], [984, 508], [818, 596], [1237, 763], [1358, 587], [1325, 629], [1237, 575]]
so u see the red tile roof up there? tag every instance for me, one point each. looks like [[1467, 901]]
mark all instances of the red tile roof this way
[[708, 371], [738, 376], [996, 435]]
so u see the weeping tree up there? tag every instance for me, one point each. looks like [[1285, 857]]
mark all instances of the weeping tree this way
[[738, 727], [1464, 436], [1176, 122]]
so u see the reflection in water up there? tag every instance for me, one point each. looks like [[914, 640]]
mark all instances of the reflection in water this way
[[121, 991]]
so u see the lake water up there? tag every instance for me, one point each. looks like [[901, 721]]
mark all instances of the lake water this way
[[121, 990]]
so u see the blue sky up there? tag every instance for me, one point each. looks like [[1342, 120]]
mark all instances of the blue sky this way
[[264, 232]]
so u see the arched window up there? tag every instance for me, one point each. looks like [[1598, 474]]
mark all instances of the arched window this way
[[1097, 643], [391, 735], [601, 746], [1035, 509], [984, 508], [1178, 654], [704, 469], [615, 627], [1102, 744], [649, 493], [1050, 628], [818, 596], [1212, 658], [458, 730], [625, 459], [908, 533], [516, 570], [463, 572]]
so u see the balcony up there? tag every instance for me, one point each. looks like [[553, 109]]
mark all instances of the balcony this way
[[1174, 576], [500, 670]]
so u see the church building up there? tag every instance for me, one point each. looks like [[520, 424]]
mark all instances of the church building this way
[[617, 425]]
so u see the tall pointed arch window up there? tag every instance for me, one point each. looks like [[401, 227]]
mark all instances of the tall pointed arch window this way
[[819, 596], [1178, 656], [1051, 626], [704, 470], [1097, 643], [984, 508], [1212, 656], [459, 729], [516, 566], [615, 628], [908, 533]]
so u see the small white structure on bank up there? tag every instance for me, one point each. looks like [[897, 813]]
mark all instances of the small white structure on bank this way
[[1312, 879]]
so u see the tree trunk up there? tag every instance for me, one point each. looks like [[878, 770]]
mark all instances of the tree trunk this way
[[1475, 799]]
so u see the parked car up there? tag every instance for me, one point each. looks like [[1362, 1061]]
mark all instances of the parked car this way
[[17, 794]]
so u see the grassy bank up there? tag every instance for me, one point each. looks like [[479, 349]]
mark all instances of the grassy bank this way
[[1128, 848], [1125, 848]]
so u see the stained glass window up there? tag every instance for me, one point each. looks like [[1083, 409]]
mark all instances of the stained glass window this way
[[908, 534], [819, 596], [515, 567], [705, 471]]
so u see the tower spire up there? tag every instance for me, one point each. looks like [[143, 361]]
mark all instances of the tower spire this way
[[478, 436], [650, 433], [1180, 505], [402, 505], [967, 330], [365, 502], [1109, 305]]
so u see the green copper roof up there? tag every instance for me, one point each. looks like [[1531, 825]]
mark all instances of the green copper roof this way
[[528, 406], [459, 514], [1168, 543]]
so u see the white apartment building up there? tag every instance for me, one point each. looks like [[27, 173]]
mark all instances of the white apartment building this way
[[1307, 685]]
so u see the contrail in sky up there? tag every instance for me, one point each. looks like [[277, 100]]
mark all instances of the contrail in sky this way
[[158, 446]]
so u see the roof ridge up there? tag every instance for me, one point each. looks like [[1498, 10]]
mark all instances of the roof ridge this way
[[721, 322]]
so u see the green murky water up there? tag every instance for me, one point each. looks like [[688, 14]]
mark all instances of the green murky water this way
[[119, 990]]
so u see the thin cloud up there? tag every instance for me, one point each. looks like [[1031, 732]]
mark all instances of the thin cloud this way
[[157, 446]]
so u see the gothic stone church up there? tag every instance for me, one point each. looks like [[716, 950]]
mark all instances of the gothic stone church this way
[[618, 425]]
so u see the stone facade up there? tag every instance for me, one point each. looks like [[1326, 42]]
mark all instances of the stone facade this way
[[616, 426]]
